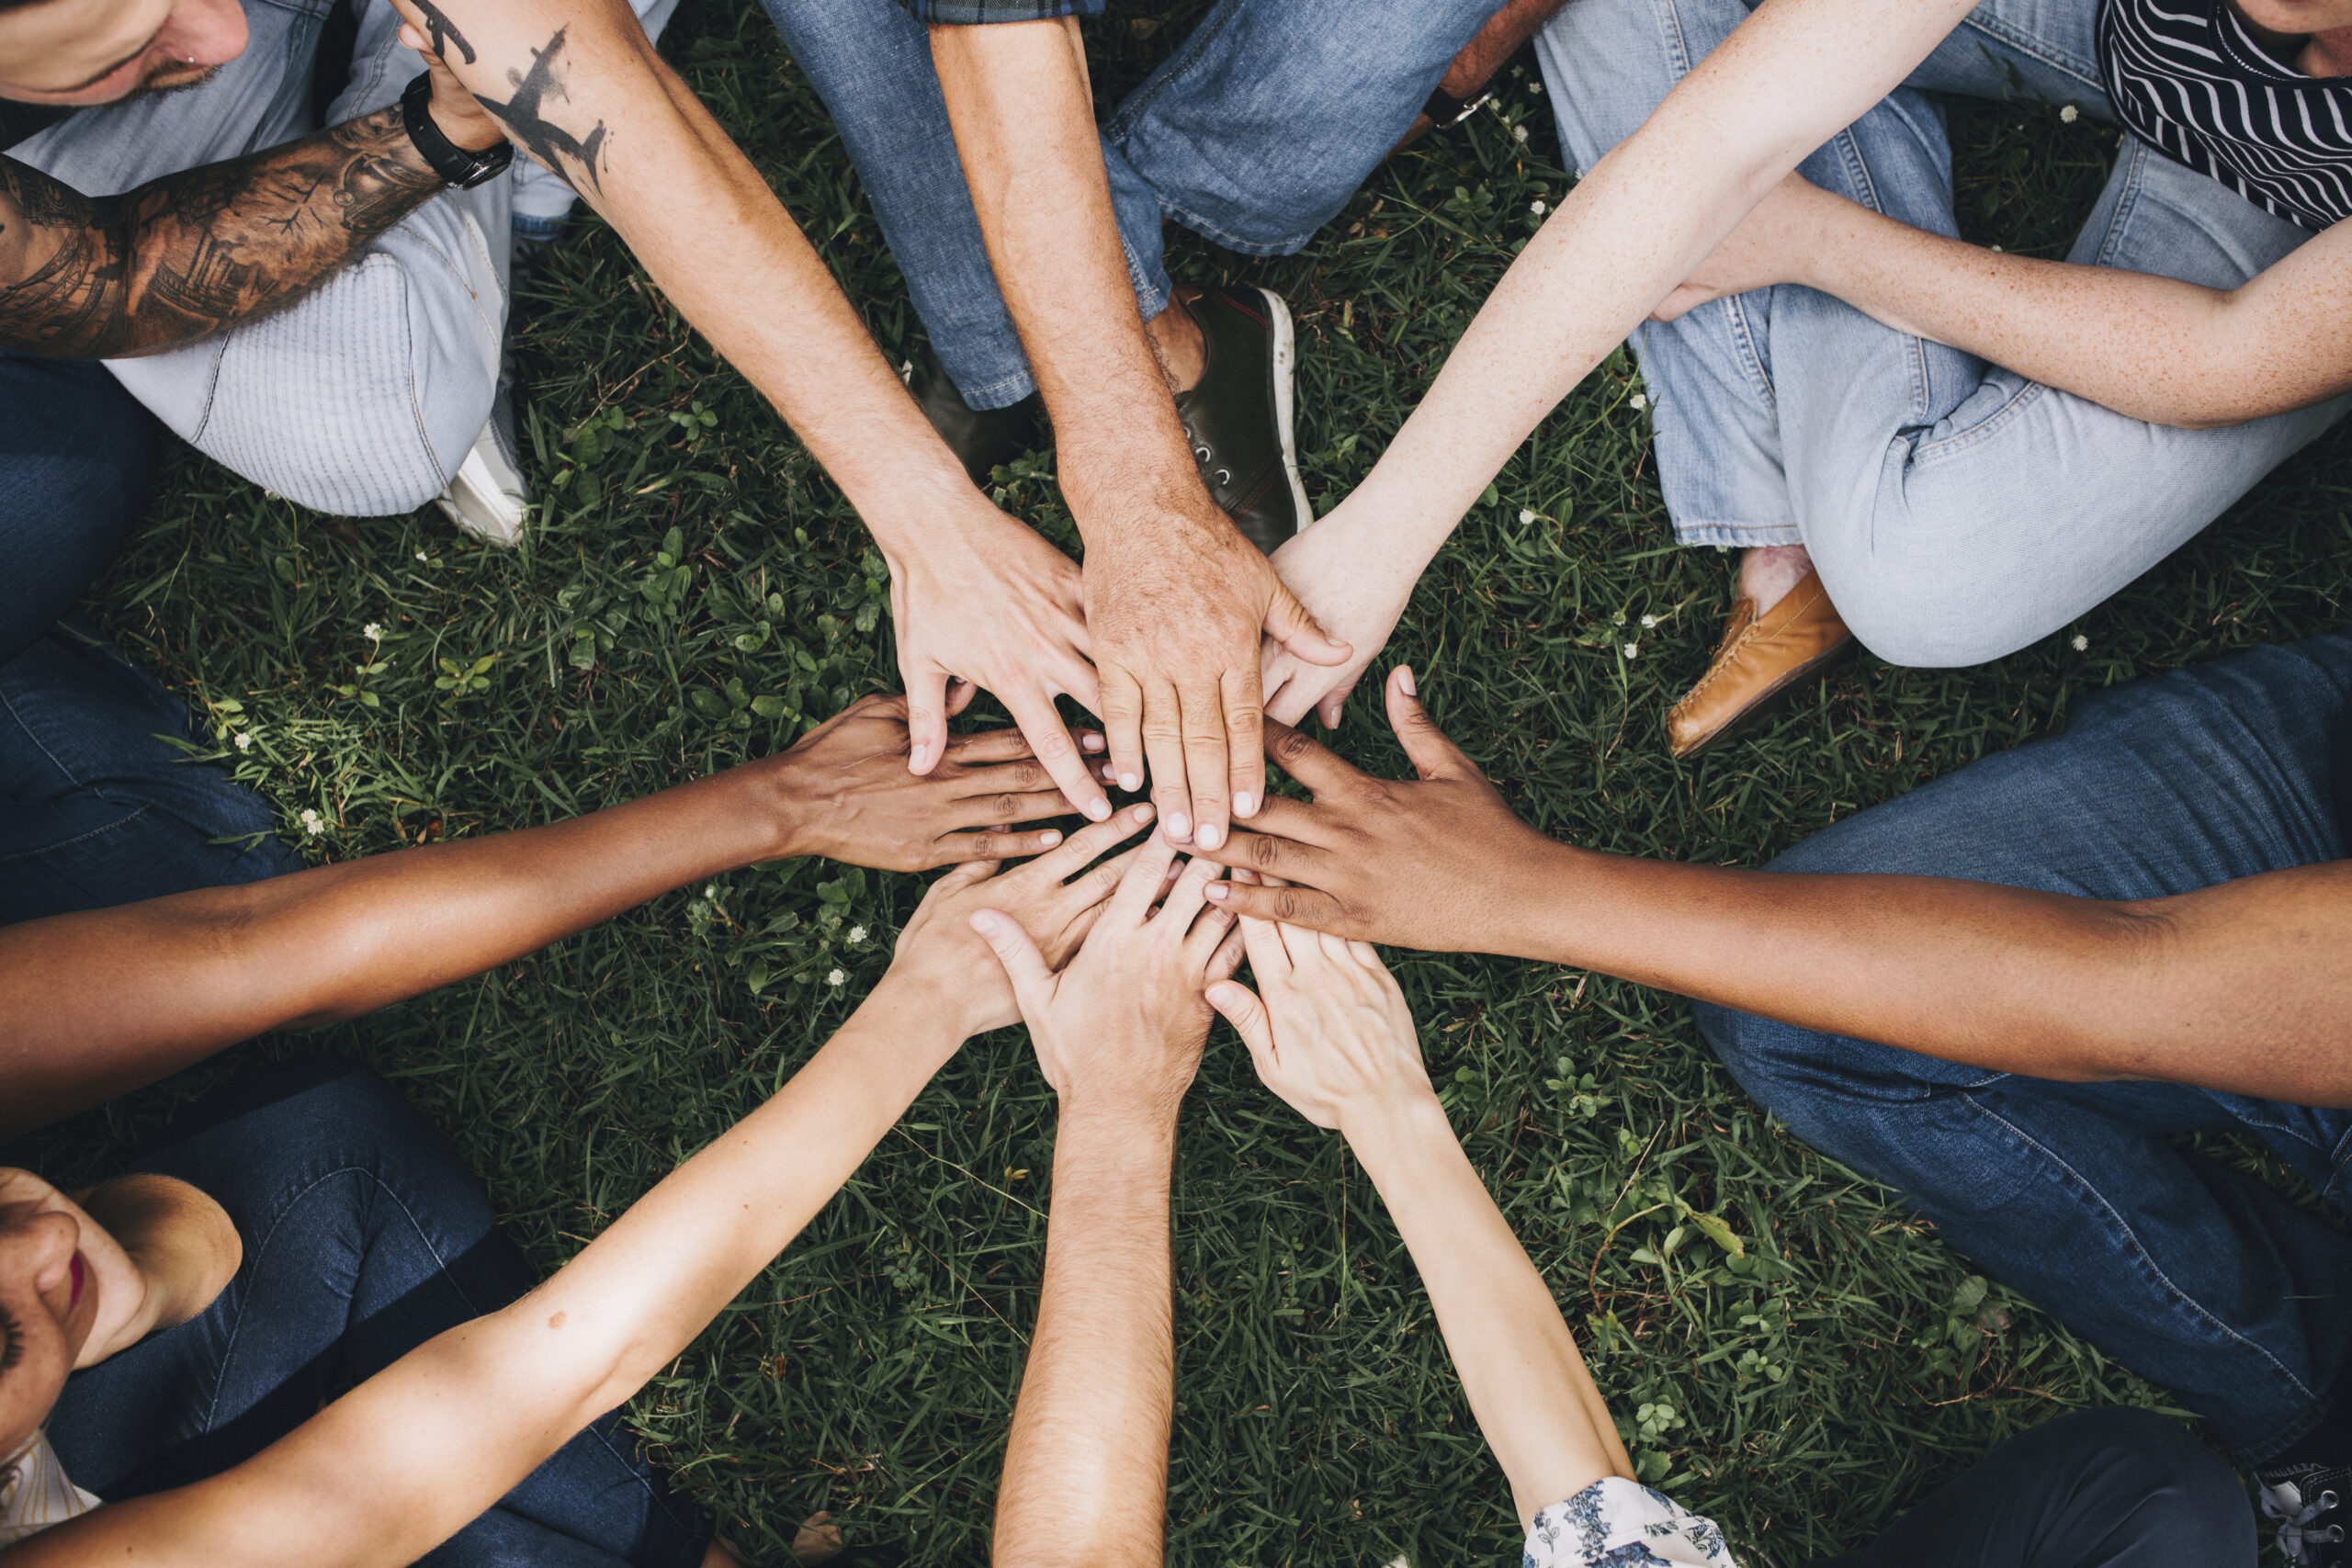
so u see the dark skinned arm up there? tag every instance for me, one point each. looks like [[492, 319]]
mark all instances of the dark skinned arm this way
[[191, 254], [94, 1004], [2243, 987], [1484, 55]]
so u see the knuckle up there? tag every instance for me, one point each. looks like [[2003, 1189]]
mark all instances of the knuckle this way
[[1288, 906], [1005, 808], [1292, 746], [1263, 851], [1029, 775]]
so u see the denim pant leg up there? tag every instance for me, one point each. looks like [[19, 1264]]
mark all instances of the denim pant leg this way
[[77, 455], [2109, 1488], [365, 1236], [2193, 1276]]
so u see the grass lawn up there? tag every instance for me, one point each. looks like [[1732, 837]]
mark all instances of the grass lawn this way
[[698, 593]]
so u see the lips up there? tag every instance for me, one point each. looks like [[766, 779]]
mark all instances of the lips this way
[[81, 1276]]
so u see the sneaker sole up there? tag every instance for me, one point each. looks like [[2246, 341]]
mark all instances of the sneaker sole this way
[[1285, 401]]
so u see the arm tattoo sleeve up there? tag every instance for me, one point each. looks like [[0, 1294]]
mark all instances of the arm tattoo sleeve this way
[[196, 252]]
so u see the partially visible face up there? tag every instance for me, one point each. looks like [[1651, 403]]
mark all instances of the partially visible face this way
[[76, 52], [49, 1302], [2297, 17]]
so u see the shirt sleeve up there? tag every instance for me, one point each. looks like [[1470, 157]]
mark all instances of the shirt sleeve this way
[[1614, 1523], [971, 13]]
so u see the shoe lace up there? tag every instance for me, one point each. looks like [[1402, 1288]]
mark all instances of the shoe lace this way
[[2297, 1537]]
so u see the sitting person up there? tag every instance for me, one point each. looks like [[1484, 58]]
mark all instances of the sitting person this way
[[302, 1285], [190, 974], [2003, 995], [1330, 1035], [1998, 444]]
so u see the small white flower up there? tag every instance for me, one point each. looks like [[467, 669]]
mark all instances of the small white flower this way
[[1525, 517], [1632, 650], [2082, 643], [2069, 115], [312, 823], [1641, 401], [710, 890], [244, 742], [1519, 133], [1648, 621], [1997, 250], [422, 556], [1535, 87], [372, 632], [837, 979], [1537, 207], [857, 935]]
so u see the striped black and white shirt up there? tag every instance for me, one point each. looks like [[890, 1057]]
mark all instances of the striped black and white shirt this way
[[2189, 79]]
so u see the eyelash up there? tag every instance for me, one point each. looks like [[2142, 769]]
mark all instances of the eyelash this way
[[13, 1350]]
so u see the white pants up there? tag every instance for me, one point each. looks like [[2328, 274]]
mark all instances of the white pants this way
[[362, 396]]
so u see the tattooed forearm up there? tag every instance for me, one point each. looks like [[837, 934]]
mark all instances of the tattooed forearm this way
[[193, 254], [444, 32], [525, 119]]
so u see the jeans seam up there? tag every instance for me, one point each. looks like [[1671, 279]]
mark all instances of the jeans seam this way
[[1925, 452], [116, 826], [1138, 103], [2083, 1185]]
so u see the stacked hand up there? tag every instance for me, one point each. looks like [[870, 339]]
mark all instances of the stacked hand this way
[[1331, 1034]]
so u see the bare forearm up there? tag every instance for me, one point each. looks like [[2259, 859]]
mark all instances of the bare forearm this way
[[94, 1004], [1086, 1464], [2240, 987], [193, 254], [2152, 347], [1519, 1364]]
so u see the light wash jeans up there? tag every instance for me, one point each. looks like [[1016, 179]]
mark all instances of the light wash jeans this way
[[1956, 511], [363, 398], [1254, 133]]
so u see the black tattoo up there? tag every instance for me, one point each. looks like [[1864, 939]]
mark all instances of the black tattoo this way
[[193, 254], [438, 28], [532, 131]]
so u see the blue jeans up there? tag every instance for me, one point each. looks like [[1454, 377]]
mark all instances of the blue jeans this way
[[2112, 1488], [1254, 133], [365, 1236], [97, 807], [1956, 511], [2197, 1277]]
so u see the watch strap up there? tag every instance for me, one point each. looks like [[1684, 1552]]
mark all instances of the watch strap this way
[[1444, 108], [452, 162]]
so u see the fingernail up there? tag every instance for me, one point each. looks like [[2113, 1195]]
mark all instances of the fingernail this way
[[1211, 835], [1049, 838], [984, 923], [915, 757], [1221, 992], [1216, 890], [1128, 780], [1180, 827], [1245, 806], [1098, 810], [1145, 812], [1090, 742], [1405, 681]]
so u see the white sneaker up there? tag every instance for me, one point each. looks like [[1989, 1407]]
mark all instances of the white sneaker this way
[[488, 498]]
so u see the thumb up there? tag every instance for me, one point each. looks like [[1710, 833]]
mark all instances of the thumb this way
[[926, 718], [1426, 746], [1239, 1007], [1033, 983], [1288, 624]]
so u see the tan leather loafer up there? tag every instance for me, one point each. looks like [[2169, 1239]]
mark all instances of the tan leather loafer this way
[[1760, 657]]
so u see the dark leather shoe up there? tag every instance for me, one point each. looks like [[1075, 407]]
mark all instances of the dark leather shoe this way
[[1238, 417], [1760, 657], [982, 439]]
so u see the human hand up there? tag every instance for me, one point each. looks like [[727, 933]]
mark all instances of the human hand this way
[[1324, 564], [1332, 1032], [1120, 1030], [989, 603], [1176, 607], [844, 791], [939, 949], [456, 113], [1432, 863], [1771, 245]]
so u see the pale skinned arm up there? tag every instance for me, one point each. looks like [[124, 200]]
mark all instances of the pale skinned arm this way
[[2152, 347], [2241, 986], [1118, 1034], [1786, 80], [975, 594], [1330, 1033], [1175, 597], [94, 1004], [450, 1427]]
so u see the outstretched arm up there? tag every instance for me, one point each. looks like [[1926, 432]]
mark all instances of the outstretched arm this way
[[94, 1004], [2241, 986], [1119, 1035], [193, 254], [2155, 348], [1332, 1037]]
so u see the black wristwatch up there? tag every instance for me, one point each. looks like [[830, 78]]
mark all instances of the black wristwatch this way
[[452, 162], [1444, 108]]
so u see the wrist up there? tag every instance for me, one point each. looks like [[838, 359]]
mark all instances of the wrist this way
[[1391, 1133]]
